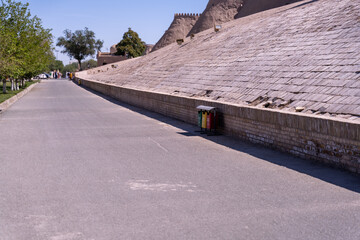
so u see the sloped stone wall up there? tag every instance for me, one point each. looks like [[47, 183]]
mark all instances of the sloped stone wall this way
[[309, 61], [217, 12]]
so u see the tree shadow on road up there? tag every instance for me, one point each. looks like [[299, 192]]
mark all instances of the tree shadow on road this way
[[317, 170]]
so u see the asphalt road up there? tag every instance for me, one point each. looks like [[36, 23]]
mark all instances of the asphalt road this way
[[74, 165]]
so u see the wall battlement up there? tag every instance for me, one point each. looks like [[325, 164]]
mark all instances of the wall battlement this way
[[179, 28], [187, 14], [219, 11]]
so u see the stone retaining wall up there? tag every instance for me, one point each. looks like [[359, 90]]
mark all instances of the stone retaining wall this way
[[329, 140]]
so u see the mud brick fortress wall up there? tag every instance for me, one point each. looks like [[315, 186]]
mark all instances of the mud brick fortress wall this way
[[179, 28], [216, 12], [331, 141]]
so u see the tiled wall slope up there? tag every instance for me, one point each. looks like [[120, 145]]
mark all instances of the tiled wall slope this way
[[306, 54]]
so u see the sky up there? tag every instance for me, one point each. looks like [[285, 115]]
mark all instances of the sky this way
[[109, 19]]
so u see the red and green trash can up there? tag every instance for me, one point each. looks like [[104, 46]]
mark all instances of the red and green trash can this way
[[207, 119]]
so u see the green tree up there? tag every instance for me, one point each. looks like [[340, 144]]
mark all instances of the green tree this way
[[89, 64], [8, 42], [73, 67], [25, 46], [56, 65], [38, 54], [8, 62], [131, 45], [80, 44]]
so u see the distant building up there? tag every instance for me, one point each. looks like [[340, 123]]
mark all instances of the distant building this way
[[104, 58]]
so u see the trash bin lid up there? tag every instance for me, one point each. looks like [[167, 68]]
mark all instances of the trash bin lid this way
[[205, 108]]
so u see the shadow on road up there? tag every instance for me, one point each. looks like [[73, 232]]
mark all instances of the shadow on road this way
[[317, 170]]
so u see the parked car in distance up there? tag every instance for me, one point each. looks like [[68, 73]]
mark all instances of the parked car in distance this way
[[42, 76]]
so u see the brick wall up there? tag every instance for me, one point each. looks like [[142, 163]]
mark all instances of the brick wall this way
[[107, 59], [329, 140]]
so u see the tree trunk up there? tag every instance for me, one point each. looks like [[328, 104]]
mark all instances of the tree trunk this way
[[4, 86], [80, 69], [12, 84], [17, 85]]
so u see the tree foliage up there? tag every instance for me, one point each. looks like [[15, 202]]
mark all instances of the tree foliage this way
[[131, 45], [79, 44], [55, 65], [72, 67], [25, 46], [91, 63]]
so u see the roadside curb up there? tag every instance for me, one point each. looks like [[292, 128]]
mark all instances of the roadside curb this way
[[6, 104]]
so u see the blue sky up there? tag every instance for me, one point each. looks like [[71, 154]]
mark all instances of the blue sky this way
[[109, 19]]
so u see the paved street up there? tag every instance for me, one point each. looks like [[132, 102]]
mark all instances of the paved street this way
[[77, 166]]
